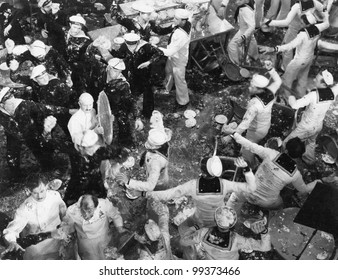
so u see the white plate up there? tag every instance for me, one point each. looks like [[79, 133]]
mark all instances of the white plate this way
[[328, 159], [190, 122], [221, 119], [154, 40], [189, 114], [118, 40]]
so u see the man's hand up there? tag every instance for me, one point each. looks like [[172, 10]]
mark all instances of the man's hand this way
[[49, 124], [99, 129], [121, 230], [265, 49], [69, 81], [7, 29], [44, 33], [259, 226], [9, 44], [122, 179], [13, 65], [144, 65], [268, 65], [240, 162], [139, 124], [226, 139], [13, 246]]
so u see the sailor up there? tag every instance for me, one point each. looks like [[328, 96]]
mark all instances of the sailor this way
[[277, 170], [138, 55], [208, 191], [257, 118], [317, 102], [221, 242]]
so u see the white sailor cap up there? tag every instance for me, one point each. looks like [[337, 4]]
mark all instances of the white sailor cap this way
[[78, 19], [43, 3], [102, 42], [182, 13], [116, 63], [131, 38], [328, 78], [259, 81], [37, 48], [37, 71]]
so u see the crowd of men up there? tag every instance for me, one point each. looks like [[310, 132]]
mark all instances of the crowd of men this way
[[39, 108]]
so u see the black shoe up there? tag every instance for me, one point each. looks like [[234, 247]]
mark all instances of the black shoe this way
[[179, 107]]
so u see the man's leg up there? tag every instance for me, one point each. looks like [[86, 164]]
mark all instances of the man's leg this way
[[233, 48], [182, 94], [259, 11], [169, 79], [303, 75], [13, 154], [291, 74]]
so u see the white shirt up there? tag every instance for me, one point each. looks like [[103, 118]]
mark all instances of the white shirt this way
[[296, 11], [304, 45], [79, 123], [258, 115], [271, 178], [316, 110], [95, 227], [33, 217], [206, 203], [178, 49]]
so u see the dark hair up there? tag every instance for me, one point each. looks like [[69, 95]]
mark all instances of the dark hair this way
[[85, 199], [295, 147], [34, 180]]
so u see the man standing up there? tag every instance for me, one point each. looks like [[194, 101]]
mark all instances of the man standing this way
[[305, 44], [138, 55], [41, 212], [30, 118], [84, 119], [122, 102], [90, 218], [257, 118], [317, 102], [295, 21], [177, 52]]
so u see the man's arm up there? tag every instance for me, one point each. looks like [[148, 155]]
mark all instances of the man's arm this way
[[113, 214], [259, 150], [285, 22], [15, 227], [302, 102], [173, 193], [249, 115], [155, 166], [179, 39], [293, 44], [300, 185], [276, 81]]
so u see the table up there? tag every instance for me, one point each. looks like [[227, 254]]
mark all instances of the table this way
[[130, 12], [289, 238]]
